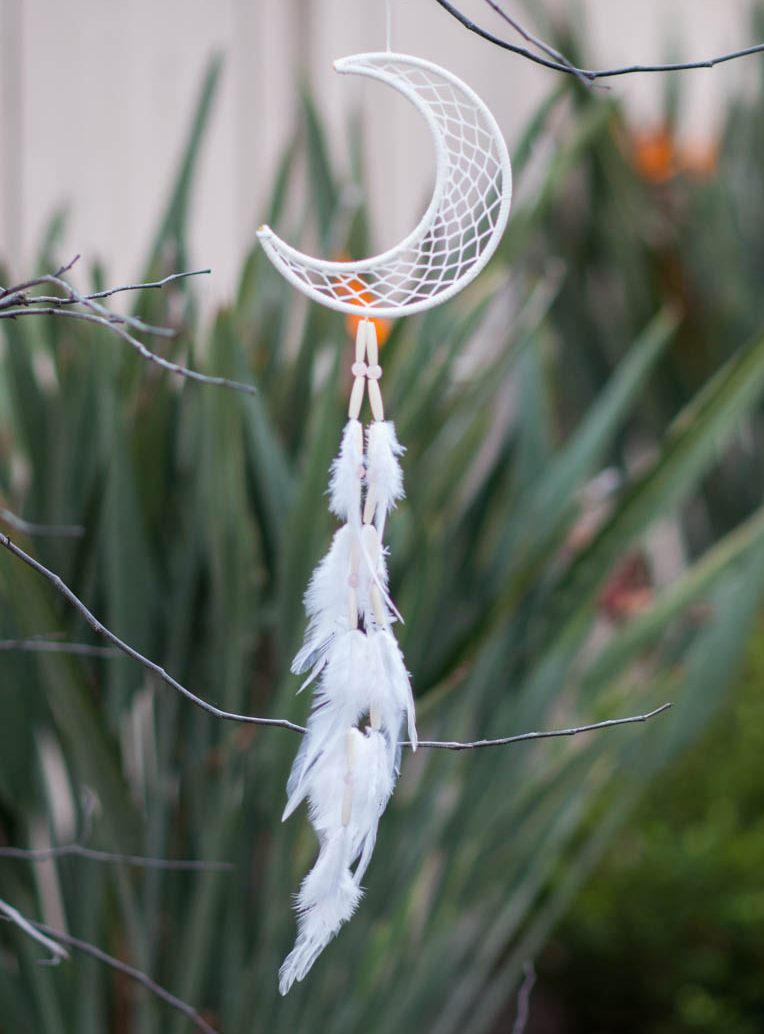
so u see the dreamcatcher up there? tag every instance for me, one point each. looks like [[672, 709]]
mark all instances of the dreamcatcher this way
[[348, 762]]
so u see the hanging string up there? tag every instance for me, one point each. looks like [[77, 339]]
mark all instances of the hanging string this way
[[389, 13]]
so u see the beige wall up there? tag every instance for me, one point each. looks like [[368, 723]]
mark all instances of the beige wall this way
[[96, 96]]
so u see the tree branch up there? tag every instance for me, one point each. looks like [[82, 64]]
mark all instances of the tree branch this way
[[29, 928], [16, 301], [587, 73], [71, 531], [42, 645], [280, 723], [555, 55], [155, 669], [122, 967], [523, 737], [136, 861], [524, 999]]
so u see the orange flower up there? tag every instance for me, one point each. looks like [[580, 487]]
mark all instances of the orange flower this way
[[658, 158], [654, 155], [351, 322]]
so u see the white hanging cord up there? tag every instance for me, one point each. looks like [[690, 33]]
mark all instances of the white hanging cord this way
[[388, 4]]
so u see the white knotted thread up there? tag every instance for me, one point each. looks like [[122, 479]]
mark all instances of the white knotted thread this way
[[346, 774]]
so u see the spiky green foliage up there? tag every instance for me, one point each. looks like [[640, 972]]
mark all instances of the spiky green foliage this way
[[204, 516]]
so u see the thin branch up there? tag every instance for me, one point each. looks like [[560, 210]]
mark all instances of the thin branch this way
[[15, 302], [555, 55], [135, 861], [29, 928], [49, 530], [34, 645], [543, 735], [524, 999], [130, 971], [154, 285], [280, 723], [587, 73], [155, 669]]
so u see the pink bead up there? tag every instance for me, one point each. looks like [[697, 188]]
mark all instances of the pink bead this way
[[360, 471], [374, 373], [359, 369], [353, 581]]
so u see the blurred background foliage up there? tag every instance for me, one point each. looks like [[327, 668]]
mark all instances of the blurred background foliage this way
[[583, 538]]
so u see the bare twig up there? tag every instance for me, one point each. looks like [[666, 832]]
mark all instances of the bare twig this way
[[524, 999], [130, 971], [152, 286], [29, 928], [35, 645], [587, 73], [103, 631], [48, 530], [523, 737], [16, 301], [555, 55], [280, 723], [136, 861]]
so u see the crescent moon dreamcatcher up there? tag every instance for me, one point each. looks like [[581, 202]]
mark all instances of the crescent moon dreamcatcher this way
[[349, 759]]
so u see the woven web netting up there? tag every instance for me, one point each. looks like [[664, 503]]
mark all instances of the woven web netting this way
[[458, 232]]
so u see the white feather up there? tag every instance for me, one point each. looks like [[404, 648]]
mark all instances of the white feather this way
[[341, 698], [328, 897], [373, 784], [347, 475], [391, 688], [326, 601], [383, 469], [330, 892], [346, 775]]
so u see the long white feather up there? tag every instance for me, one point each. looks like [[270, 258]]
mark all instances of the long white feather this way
[[383, 471], [347, 474], [341, 699], [330, 892], [328, 898], [391, 688], [326, 602]]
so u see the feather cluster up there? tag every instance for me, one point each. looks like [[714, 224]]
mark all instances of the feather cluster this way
[[347, 773]]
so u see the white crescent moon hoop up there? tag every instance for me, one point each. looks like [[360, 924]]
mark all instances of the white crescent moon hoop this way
[[463, 224]]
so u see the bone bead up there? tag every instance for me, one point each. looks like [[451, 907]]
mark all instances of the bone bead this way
[[370, 505], [357, 440], [371, 543], [361, 335], [372, 348], [375, 400], [374, 719], [347, 800], [356, 397], [352, 609], [376, 605]]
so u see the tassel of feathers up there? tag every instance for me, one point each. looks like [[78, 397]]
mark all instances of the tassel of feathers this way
[[348, 774]]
